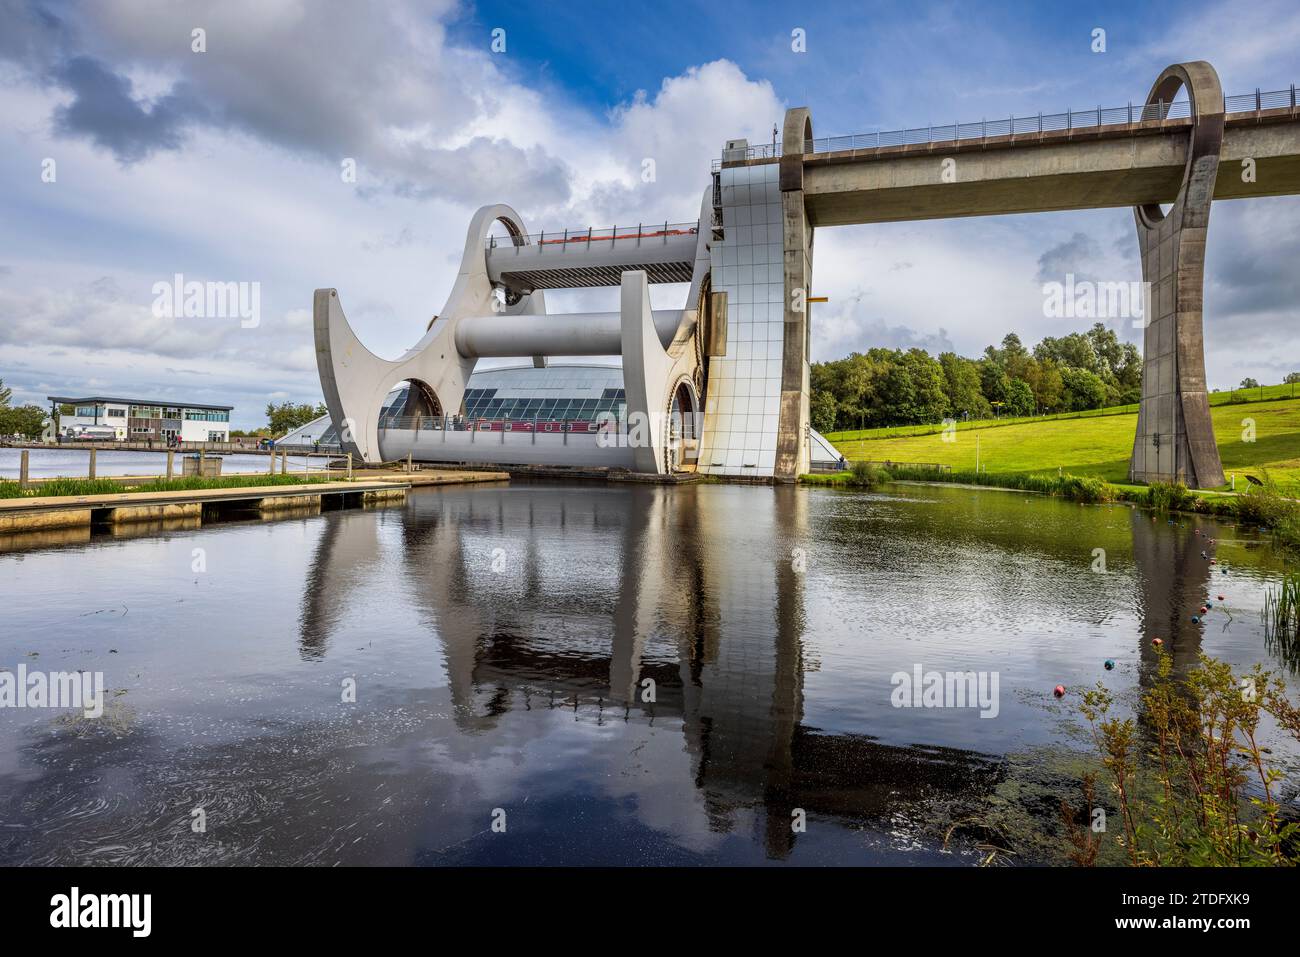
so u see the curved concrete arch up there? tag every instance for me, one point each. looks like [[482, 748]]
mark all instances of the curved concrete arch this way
[[355, 380], [1205, 96], [685, 440], [650, 373], [1175, 433]]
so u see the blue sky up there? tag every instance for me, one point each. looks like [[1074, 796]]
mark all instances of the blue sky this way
[[225, 166], [867, 64]]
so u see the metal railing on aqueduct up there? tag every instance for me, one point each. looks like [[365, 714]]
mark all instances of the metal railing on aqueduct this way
[[1069, 121]]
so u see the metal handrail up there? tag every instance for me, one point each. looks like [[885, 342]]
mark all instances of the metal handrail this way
[[681, 425], [1069, 121], [460, 423], [585, 237]]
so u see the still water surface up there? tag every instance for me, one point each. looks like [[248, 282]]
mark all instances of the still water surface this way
[[502, 641]]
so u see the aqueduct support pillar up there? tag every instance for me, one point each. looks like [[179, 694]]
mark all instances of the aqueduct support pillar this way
[[792, 457], [1175, 435]]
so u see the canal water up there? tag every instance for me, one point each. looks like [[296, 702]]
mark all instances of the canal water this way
[[75, 463], [622, 675]]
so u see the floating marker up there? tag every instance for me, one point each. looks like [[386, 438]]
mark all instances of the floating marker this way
[[1196, 620], [1110, 663], [1059, 691], [1157, 642], [1221, 598]]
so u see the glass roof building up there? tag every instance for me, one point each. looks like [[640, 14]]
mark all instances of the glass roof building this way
[[555, 392], [577, 391]]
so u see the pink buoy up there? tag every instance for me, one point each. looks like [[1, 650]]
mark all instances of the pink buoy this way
[[1059, 691]]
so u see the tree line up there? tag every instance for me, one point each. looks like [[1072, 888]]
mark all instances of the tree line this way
[[288, 416], [882, 387], [25, 420]]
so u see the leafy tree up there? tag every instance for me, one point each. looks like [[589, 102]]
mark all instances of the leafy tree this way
[[1020, 398], [1049, 388], [1129, 374], [1292, 378], [911, 390], [994, 382], [822, 411], [1109, 351], [962, 385], [927, 374], [1248, 383], [287, 416], [1083, 389], [24, 420], [5, 395], [1011, 357], [1075, 351]]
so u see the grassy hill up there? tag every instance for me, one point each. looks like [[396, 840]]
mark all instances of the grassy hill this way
[[1091, 443]]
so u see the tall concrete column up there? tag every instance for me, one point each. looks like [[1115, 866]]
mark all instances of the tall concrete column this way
[[792, 425], [1175, 435]]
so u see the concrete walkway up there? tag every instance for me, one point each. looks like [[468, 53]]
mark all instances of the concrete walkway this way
[[38, 503]]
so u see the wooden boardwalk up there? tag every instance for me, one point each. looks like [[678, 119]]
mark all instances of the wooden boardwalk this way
[[61, 511]]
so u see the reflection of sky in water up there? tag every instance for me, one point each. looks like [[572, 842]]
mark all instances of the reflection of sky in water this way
[[500, 638]]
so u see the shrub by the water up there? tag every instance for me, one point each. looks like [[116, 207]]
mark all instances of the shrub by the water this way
[[867, 475], [1264, 506], [1204, 792], [1170, 497], [1076, 488], [1085, 488]]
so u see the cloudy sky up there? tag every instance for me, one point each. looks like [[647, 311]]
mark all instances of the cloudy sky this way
[[226, 166]]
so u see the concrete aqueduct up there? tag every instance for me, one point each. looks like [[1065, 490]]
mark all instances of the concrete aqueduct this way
[[721, 386]]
